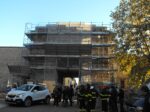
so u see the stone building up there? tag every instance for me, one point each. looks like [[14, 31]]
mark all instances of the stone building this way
[[59, 52], [10, 56]]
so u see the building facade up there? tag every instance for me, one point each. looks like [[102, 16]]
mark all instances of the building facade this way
[[56, 51], [59, 52], [10, 56]]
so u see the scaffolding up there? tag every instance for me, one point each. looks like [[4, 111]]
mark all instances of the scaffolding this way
[[86, 48]]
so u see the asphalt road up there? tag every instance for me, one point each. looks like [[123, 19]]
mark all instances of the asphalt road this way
[[36, 108], [39, 108]]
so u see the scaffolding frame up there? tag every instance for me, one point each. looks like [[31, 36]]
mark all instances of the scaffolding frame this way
[[70, 28]]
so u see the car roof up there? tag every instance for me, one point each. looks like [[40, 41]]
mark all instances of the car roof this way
[[34, 84]]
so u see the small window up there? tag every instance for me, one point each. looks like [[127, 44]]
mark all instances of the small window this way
[[41, 88], [36, 88]]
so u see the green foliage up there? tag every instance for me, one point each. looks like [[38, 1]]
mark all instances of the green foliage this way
[[131, 21]]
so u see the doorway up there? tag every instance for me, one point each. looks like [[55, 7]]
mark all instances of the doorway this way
[[68, 77]]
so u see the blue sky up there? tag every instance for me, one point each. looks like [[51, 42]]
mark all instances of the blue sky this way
[[15, 13]]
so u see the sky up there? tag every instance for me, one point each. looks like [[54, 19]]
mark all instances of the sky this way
[[14, 14]]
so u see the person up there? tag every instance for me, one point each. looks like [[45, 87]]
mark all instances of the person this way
[[56, 95], [81, 98], [146, 93], [121, 99], [94, 94], [60, 93], [65, 95], [113, 99], [76, 93], [70, 94], [104, 95], [88, 98]]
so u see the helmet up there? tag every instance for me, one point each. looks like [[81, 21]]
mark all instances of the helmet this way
[[92, 87]]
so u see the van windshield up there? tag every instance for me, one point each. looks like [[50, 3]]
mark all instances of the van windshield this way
[[25, 87]]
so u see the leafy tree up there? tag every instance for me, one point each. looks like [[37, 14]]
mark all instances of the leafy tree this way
[[131, 21]]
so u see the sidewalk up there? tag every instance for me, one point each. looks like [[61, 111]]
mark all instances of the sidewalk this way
[[2, 96]]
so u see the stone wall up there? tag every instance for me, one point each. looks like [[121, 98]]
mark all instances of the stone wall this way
[[8, 56]]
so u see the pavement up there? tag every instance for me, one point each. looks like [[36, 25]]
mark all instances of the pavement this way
[[2, 103], [41, 108]]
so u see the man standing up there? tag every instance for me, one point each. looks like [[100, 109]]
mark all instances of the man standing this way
[[94, 93], [88, 98], [146, 93], [121, 99], [113, 99], [81, 98], [71, 94], [104, 95], [56, 94]]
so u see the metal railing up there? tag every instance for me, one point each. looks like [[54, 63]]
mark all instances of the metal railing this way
[[67, 27], [29, 42], [64, 28]]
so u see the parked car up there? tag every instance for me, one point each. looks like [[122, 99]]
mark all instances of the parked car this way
[[135, 101], [136, 105], [28, 93], [100, 86]]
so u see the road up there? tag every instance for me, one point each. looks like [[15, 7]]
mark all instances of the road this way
[[36, 108], [39, 108], [2, 105]]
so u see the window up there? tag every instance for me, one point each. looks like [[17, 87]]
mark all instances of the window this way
[[25, 87], [36, 88], [41, 88]]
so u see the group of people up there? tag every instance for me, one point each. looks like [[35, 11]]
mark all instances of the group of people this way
[[110, 96], [65, 93], [87, 96]]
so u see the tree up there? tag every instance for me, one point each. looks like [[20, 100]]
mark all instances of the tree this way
[[131, 21]]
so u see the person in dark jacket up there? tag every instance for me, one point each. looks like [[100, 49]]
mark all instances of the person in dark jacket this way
[[88, 98], [146, 93], [113, 99], [70, 94], [94, 94], [56, 95], [60, 92], [104, 95], [121, 99], [65, 95], [81, 98]]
